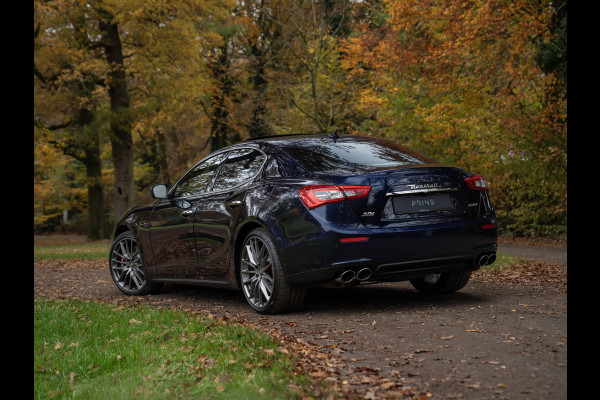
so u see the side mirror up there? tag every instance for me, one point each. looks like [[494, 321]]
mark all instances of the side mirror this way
[[159, 191]]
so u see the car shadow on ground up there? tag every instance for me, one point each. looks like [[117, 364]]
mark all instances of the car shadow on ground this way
[[383, 296], [361, 298]]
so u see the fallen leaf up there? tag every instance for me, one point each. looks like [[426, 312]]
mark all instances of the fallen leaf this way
[[370, 396], [387, 385]]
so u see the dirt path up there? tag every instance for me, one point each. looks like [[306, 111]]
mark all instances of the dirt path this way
[[503, 336]]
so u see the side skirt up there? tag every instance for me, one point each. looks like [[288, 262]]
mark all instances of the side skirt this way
[[221, 284]]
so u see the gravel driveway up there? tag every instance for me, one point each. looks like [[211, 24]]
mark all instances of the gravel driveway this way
[[503, 336]]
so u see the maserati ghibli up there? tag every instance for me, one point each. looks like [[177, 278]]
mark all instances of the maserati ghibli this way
[[274, 216]]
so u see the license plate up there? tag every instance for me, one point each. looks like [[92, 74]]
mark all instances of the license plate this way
[[417, 204]]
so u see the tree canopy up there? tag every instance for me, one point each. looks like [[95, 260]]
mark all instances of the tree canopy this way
[[131, 93]]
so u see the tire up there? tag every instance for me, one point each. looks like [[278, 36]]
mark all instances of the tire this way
[[446, 282], [126, 270], [262, 279]]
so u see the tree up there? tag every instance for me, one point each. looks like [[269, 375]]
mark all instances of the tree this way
[[312, 79], [120, 124], [552, 54], [259, 39], [106, 41], [66, 101]]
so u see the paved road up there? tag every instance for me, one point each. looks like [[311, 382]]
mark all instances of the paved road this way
[[551, 254]]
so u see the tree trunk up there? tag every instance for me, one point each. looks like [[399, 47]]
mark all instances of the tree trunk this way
[[161, 155], [220, 130], [97, 216], [93, 167], [121, 141], [257, 126]]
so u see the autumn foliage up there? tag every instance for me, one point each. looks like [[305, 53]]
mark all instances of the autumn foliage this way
[[476, 84], [459, 80]]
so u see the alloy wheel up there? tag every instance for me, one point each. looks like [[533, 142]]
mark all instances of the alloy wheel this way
[[257, 275], [126, 265]]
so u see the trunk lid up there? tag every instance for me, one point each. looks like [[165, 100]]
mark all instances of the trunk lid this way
[[416, 195]]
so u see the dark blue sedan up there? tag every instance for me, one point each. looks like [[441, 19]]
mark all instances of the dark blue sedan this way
[[274, 216]]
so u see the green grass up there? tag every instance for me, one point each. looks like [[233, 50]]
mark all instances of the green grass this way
[[504, 261], [92, 250], [91, 350]]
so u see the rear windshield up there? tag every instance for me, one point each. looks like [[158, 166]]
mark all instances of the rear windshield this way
[[352, 155]]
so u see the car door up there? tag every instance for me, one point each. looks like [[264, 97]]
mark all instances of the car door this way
[[219, 211], [172, 222]]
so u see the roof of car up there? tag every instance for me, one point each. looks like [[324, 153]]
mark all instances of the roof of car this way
[[290, 136], [294, 136]]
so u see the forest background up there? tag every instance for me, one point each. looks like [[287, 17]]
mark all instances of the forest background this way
[[129, 93]]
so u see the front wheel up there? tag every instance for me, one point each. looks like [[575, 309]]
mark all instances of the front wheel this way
[[262, 278], [126, 268], [446, 282]]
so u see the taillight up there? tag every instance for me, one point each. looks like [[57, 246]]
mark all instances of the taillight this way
[[317, 195], [477, 182]]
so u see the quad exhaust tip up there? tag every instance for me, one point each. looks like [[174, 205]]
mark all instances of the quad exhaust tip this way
[[364, 274], [483, 260], [349, 275], [487, 259]]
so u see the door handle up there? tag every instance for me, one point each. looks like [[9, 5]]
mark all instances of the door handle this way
[[234, 203]]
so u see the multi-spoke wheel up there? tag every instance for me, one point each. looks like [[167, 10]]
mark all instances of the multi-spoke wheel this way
[[126, 266], [257, 272], [262, 278]]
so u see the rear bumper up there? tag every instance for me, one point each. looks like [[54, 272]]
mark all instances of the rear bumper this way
[[392, 254]]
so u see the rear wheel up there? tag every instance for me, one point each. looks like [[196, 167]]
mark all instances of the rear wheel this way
[[446, 282], [262, 278]]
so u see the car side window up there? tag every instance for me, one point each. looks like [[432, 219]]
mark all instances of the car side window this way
[[197, 180], [241, 166], [272, 169]]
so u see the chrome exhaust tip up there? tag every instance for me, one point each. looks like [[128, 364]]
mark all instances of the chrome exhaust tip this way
[[491, 258], [483, 260], [347, 276], [364, 274]]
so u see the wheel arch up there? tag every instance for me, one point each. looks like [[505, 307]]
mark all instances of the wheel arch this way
[[120, 229]]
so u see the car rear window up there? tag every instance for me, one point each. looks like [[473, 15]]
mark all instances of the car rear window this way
[[321, 155]]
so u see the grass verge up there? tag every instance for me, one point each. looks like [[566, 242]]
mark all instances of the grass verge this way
[[503, 262], [86, 350], [89, 250]]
